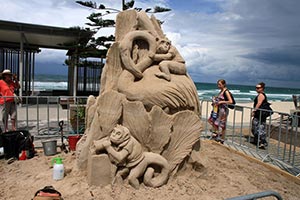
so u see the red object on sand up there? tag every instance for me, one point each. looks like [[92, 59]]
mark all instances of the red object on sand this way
[[23, 155], [47, 194], [73, 141]]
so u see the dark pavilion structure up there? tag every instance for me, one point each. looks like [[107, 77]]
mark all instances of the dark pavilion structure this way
[[20, 42]]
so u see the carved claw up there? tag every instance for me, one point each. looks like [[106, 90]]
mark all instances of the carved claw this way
[[151, 55], [106, 143], [163, 76], [99, 145]]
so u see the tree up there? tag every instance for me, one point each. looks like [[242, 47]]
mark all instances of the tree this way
[[97, 22]]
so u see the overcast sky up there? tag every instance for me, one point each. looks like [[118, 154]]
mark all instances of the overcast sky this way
[[241, 41]]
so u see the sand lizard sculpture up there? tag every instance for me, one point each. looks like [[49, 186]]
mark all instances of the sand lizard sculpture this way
[[127, 153]]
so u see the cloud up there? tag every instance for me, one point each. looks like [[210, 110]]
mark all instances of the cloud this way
[[284, 55], [244, 41], [52, 55], [241, 41]]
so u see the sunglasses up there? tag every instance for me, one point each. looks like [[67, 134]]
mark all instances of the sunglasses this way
[[258, 87]]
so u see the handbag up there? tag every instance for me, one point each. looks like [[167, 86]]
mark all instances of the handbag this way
[[267, 110]]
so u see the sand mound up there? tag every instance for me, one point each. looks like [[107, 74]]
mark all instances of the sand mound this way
[[221, 174]]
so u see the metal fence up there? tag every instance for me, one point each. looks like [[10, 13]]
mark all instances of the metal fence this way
[[41, 116], [282, 135]]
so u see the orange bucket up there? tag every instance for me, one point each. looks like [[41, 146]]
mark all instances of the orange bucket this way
[[73, 141]]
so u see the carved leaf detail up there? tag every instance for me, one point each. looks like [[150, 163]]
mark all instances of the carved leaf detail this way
[[91, 107], [161, 124], [136, 119], [110, 110], [186, 132], [111, 70]]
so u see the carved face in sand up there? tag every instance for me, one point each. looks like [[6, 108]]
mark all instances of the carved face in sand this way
[[119, 134], [163, 46]]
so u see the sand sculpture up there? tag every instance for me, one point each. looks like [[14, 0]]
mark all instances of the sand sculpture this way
[[127, 152], [144, 125]]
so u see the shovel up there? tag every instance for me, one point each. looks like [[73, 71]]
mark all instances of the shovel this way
[[63, 147]]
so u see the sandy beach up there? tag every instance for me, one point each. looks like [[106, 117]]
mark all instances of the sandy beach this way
[[222, 173]]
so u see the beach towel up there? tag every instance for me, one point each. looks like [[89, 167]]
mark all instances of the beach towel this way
[[215, 109]]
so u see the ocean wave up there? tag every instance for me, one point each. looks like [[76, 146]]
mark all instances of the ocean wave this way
[[235, 91], [205, 90], [246, 93], [43, 86], [245, 99], [243, 96], [279, 95]]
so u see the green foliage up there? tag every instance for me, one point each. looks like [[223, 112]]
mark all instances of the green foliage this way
[[89, 4], [78, 119], [85, 34], [97, 22], [80, 109], [101, 6], [80, 113], [90, 64], [158, 9], [128, 5]]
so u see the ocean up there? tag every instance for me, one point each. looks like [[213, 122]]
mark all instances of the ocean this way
[[241, 93], [44, 82], [246, 93]]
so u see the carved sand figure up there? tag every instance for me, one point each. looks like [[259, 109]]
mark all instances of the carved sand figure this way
[[148, 59], [145, 123], [126, 50], [125, 151], [170, 61]]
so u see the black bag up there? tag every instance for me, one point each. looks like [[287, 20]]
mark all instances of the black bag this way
[[231, 106], [16, 141], [267, 110]]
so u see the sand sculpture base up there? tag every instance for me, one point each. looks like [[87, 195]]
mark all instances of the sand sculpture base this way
[[145, 122]]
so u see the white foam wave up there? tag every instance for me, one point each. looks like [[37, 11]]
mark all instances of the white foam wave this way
[[235, 91], [42, 86], [243, 99]]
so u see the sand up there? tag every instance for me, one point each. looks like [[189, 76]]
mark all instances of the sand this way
[[222, 173]]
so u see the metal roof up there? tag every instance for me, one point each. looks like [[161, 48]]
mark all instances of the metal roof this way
[[39, 36]]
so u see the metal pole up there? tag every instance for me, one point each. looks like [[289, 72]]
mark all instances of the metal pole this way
[[21, 64], [75, 78], [32, 73], [258, 195]]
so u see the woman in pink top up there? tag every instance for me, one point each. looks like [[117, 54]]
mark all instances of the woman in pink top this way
[[8, 85]]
